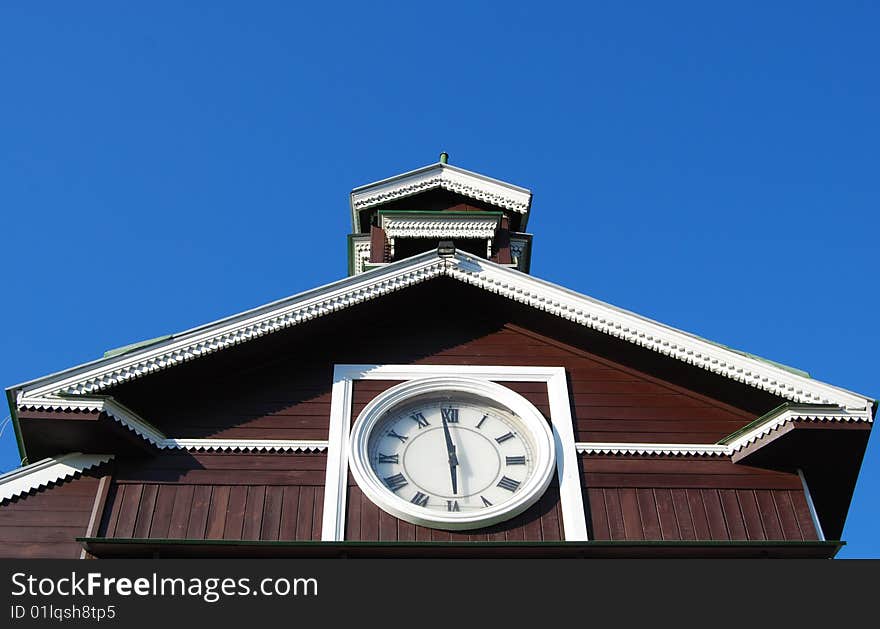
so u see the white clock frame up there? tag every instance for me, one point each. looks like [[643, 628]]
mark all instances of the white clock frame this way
[[574, 523], [532, 489]]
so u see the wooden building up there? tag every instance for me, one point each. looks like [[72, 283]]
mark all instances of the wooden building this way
[[439, 401]]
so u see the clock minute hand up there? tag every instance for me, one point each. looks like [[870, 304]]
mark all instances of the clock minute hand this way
[[453, 459]]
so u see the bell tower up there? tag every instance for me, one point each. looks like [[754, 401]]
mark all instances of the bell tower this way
[[414, 212]]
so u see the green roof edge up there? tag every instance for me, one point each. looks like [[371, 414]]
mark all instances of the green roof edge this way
[[505, 544], [119, 351]]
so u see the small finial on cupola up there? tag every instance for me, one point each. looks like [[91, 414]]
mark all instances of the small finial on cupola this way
[[444, 157]]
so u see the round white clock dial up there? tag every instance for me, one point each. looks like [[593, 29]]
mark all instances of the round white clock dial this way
[[452, 453]]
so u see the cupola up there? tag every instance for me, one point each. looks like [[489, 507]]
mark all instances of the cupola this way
[[414, 212]]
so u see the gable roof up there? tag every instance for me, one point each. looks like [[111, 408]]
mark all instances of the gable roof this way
[[93, 378], [439, 175]]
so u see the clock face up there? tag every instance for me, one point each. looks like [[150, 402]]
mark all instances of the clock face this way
[[443, 454]]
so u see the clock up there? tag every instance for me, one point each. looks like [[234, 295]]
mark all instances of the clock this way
[[452, 453]]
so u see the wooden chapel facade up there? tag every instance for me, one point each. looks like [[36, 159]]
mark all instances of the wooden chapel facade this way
[[230, 440]]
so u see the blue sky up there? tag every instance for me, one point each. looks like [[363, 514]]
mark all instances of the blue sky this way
[[712, 166]]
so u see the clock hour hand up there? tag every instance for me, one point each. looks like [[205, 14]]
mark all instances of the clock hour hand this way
[[453, 459]]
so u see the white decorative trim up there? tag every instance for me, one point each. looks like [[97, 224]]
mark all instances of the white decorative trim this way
[[775, 421], [260, 445], [591, 313], [51, 470], [452, 178], [570, 496], [654, 449], [432, 226], [518, 249], [107, 405], [813, 513], [361, 247]]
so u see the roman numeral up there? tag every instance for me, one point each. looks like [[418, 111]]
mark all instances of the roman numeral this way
[[513, 460], [452, 505], [395, 482], [390, 458], [419, 419], [504, 438], [420, 499], [401, 437], [508, 483], [450, 415], [482, 420], [485, 502]]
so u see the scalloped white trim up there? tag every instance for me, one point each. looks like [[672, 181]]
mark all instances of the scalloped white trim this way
[[470, 269], [458, 180], [446, 227], [668, 449], [261, 445], [51, 470], [774, 422]]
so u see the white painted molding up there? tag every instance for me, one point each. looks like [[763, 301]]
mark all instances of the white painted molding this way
[[257, 445], [570, 496], [774, 421], [655, 449], [92, 378], [813, 513], [452, 178], [432, 226], [361, 247], [51, 470]]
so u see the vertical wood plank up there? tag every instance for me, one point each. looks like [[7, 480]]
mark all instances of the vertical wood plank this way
[[353, 514], [698, 514], [289, 511], [629, 509], [235, 512], [616, 527], [683, 517], [217, 512], [732, 514], [305, 517], [162, 514], [369, 521], [804, 518], [387, 527], [253, 513], [787, 517], [406, 532], [715, 514], [317, 513], [769, 516], [648, 514], [180, 512], [666, 513], [749, 506], [131, 500], [198, 515], [111, 515], [551, 526], [145, 513], [272, 513], [598, 514]]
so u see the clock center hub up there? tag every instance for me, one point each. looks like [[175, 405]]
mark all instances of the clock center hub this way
[[479, 463]]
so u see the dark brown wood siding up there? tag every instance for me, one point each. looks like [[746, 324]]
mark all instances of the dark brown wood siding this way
[[218, 496], [45, 522], [279, 387], [672, 498], [366, 522]]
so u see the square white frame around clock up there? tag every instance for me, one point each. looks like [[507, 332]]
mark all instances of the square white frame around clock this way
[[574, 523]]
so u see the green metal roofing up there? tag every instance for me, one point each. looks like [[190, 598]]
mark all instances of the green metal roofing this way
[[125, 349]]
